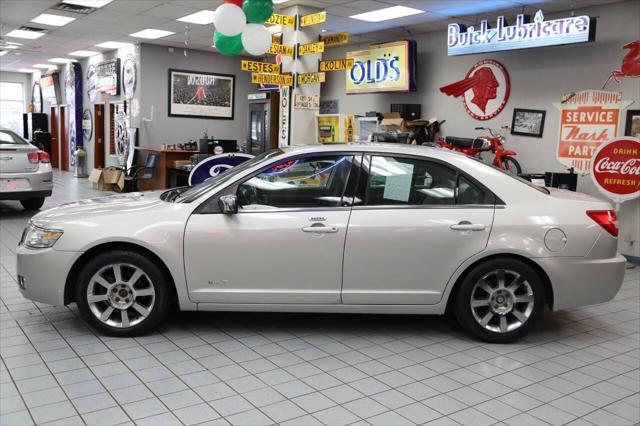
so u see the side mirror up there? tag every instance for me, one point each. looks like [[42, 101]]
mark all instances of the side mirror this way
[[228, 204]]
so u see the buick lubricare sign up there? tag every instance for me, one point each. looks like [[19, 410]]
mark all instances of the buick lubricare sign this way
[[381, 68], [616, 169]]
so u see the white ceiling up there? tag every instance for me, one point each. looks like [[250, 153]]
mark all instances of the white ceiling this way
[[119, 18]]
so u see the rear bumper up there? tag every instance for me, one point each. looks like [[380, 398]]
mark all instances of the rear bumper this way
[[40, 184], [579, 281], [23, 195]]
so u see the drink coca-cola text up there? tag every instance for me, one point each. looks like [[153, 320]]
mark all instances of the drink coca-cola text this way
[[629, 167]]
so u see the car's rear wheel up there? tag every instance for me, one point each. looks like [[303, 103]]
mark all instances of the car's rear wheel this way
[[500, 300], [122, 293], [32, 203]]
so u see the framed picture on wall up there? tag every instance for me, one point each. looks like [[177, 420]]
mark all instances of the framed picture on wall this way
[[201, 94], [528, 122], [632, 126]]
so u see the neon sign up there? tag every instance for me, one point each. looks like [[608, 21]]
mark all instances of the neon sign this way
[[522, 35]]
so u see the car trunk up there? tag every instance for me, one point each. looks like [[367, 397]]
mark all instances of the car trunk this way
[[590, 201], [14, 158]]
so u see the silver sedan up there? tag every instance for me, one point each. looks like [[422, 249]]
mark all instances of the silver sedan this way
[[385, 229]]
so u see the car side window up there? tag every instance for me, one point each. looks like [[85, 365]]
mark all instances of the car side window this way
[[318, 181]]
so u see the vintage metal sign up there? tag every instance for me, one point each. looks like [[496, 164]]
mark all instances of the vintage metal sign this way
[[334, 39], [284, 20], [336, 64], [281, 49], [616, 169], [313, 19], [587, 120], [277, 79], [311, 48], [306, 102], [522, 35], [381, 68], [108, 77], [260, 67], [310, 78], [283, 116]]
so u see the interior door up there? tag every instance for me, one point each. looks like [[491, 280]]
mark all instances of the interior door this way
[[285, 244], [98, 136], [416, 223], [64, 141], [258, 128], [55, 145]]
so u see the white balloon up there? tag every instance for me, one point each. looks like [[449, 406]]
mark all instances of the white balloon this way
[[256, 39], [229, 19]]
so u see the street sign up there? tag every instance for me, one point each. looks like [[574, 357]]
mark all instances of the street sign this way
[[277, 79], [313, 19], [311, 48], [282, 49], [334, 39], [310, 78], [336, 65], [260, 67], [284, 20]]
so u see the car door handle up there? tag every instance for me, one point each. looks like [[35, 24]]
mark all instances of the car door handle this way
[[318, 228], [468, 226]]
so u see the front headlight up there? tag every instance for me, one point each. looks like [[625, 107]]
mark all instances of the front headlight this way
[[35, 237]]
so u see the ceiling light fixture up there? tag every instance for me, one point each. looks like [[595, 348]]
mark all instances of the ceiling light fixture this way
[[27, 70], [202, 18], [44, 66], [151, 34], [84, 53], [32, 35], [53, 20], [114, 45], [387, 13], [88, 3], [61, 60]]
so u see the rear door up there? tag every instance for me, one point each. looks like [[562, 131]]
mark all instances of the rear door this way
[[413, 223]]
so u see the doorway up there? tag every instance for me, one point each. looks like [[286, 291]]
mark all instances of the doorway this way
[[263, 123], [64, 141], [98, 136], [55, 144]]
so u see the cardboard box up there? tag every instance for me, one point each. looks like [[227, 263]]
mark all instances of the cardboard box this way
[[107, 179], [392, 122]]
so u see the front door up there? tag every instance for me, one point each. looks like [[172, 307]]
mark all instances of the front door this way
[[417, 221], [285, 244], [64, 141], [55, 146], [98, 138]]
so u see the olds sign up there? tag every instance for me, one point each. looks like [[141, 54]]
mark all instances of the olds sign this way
[[522, 35], [616, 169]]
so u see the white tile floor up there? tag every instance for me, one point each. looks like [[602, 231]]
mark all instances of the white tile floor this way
[[579, 367]]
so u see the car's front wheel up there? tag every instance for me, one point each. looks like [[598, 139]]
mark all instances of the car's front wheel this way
[[122, 293], [500, 300], [32, 203]]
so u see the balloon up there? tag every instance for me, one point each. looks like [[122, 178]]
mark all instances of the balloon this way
[[228, 46], [256, 39], [257, 11], [229, 19], [236, 2]]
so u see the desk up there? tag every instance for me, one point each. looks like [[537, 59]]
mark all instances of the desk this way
[[166, 158], [178, 177]]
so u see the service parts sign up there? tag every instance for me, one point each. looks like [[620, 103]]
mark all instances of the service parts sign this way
[[616, 169], [587, 120]]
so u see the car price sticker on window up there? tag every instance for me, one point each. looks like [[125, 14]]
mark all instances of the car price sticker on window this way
[[616, 169]]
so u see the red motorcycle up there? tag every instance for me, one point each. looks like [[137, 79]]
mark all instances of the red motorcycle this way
[[495, 143]]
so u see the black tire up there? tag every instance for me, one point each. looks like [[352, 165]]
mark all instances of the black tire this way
[[32, 203], [157, 278], [511, 165], [463, 296]]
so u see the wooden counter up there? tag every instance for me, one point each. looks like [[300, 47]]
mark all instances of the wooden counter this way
[[166, 158]]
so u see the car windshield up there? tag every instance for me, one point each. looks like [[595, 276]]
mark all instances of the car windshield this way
[[198, 190], [10, 138]]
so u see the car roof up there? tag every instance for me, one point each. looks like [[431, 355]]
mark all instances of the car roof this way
[[395, 148]]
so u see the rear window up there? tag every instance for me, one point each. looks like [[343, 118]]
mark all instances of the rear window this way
[[8, 137]]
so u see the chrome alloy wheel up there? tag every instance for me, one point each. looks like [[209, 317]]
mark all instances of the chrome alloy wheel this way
[[120, 295], [501, 301]]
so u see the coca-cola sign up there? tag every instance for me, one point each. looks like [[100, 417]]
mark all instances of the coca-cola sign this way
[[616, 169]]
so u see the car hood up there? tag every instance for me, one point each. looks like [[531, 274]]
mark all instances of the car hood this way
[[113, 205]]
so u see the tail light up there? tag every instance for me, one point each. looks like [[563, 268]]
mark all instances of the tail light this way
[[605, 218], [44, 157], [33, 157]]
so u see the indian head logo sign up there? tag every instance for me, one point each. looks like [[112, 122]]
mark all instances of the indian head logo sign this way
[[616, 169], [484, 90]]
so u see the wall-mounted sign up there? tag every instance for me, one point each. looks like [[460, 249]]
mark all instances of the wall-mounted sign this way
[[87, 125], [485, 89], [199, 94], [50, 84], [306, 102], [278, 79], [313, 19], [36, 97], [630, 64], [281, 49], [522, 35], [616, 169], [129, 76], [108, 77], [329, 106], [73, 95], [336, 64], [257, 96], [284, 20], [310, 78], [587, 120], [260, 67], [284, 112], [91, 82], [388, 67], [334, 39], [311, 48]]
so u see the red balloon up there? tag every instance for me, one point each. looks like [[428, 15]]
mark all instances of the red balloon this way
[[236, 2]]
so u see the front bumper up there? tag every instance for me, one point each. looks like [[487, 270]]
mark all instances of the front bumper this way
[[579, 281], [42, 273], [40, 184]]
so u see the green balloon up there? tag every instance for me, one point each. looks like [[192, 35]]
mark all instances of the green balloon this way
[[257, 11], [228, 46]]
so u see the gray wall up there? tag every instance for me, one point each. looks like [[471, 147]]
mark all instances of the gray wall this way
[[538, 78], [156, 62]]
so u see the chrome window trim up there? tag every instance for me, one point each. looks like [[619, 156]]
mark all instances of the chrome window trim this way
[[294, 210], [426, 207]]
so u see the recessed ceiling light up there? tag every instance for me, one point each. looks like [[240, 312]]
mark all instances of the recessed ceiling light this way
[[27, 70], [84, 53], [44, 66], [387, 13], [203, 17], [114, 45], [88, 3], [54, 20], [150, 33], [61, 60], [32, 35]]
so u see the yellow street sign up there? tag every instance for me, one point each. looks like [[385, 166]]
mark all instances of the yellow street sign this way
[[310, 78], [284, 20], [335, 39], [308, 49], [336, 65], [281, 48], [313, 19], [278, 79], [260, 67]]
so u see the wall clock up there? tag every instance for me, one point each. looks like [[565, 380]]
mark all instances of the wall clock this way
[[87, 125]]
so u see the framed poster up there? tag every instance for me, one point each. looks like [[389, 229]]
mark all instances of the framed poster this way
[[632, 126], [528, 122], [108, 77], [201, 94]]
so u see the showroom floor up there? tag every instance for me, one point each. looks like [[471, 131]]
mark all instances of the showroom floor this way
[[579, 367]]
